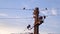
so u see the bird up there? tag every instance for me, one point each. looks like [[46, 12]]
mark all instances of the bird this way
[[24, 8]]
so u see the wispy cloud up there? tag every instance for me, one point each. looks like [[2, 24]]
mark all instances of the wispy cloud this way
[[8, 30], [49, 12], [8, 16], [3, 14], [43, 32], [54, 11]]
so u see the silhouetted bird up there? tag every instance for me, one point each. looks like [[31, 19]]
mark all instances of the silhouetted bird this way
[[23, 8], [46, 9]]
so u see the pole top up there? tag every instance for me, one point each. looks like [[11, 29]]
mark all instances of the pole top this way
[[37, 8]]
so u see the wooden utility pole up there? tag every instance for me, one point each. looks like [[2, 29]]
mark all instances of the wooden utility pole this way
[[38, 20], [36, 15]]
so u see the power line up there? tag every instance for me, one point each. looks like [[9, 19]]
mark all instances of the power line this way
[[28, 9], [17, 8], [17, 18], [29, 17]]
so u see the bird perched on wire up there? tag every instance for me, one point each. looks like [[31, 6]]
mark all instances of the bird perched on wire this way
[[46, 9], [23, 8]]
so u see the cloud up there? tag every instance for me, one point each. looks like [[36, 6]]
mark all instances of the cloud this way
[[45, 12], [44, 32], [3, 14], [49, 12], [54, 11], [8, 30]]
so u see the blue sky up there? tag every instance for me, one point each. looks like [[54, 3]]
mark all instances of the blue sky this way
[[7, 26]]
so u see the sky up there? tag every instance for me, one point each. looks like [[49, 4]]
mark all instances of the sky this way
[[13, 9]]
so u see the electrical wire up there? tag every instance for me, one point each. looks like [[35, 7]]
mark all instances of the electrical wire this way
[[28, 9], [17, 8], [18, 18], [28, 17]]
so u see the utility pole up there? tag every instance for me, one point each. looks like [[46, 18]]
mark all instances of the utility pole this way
[[36, 15], [38, 20]]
